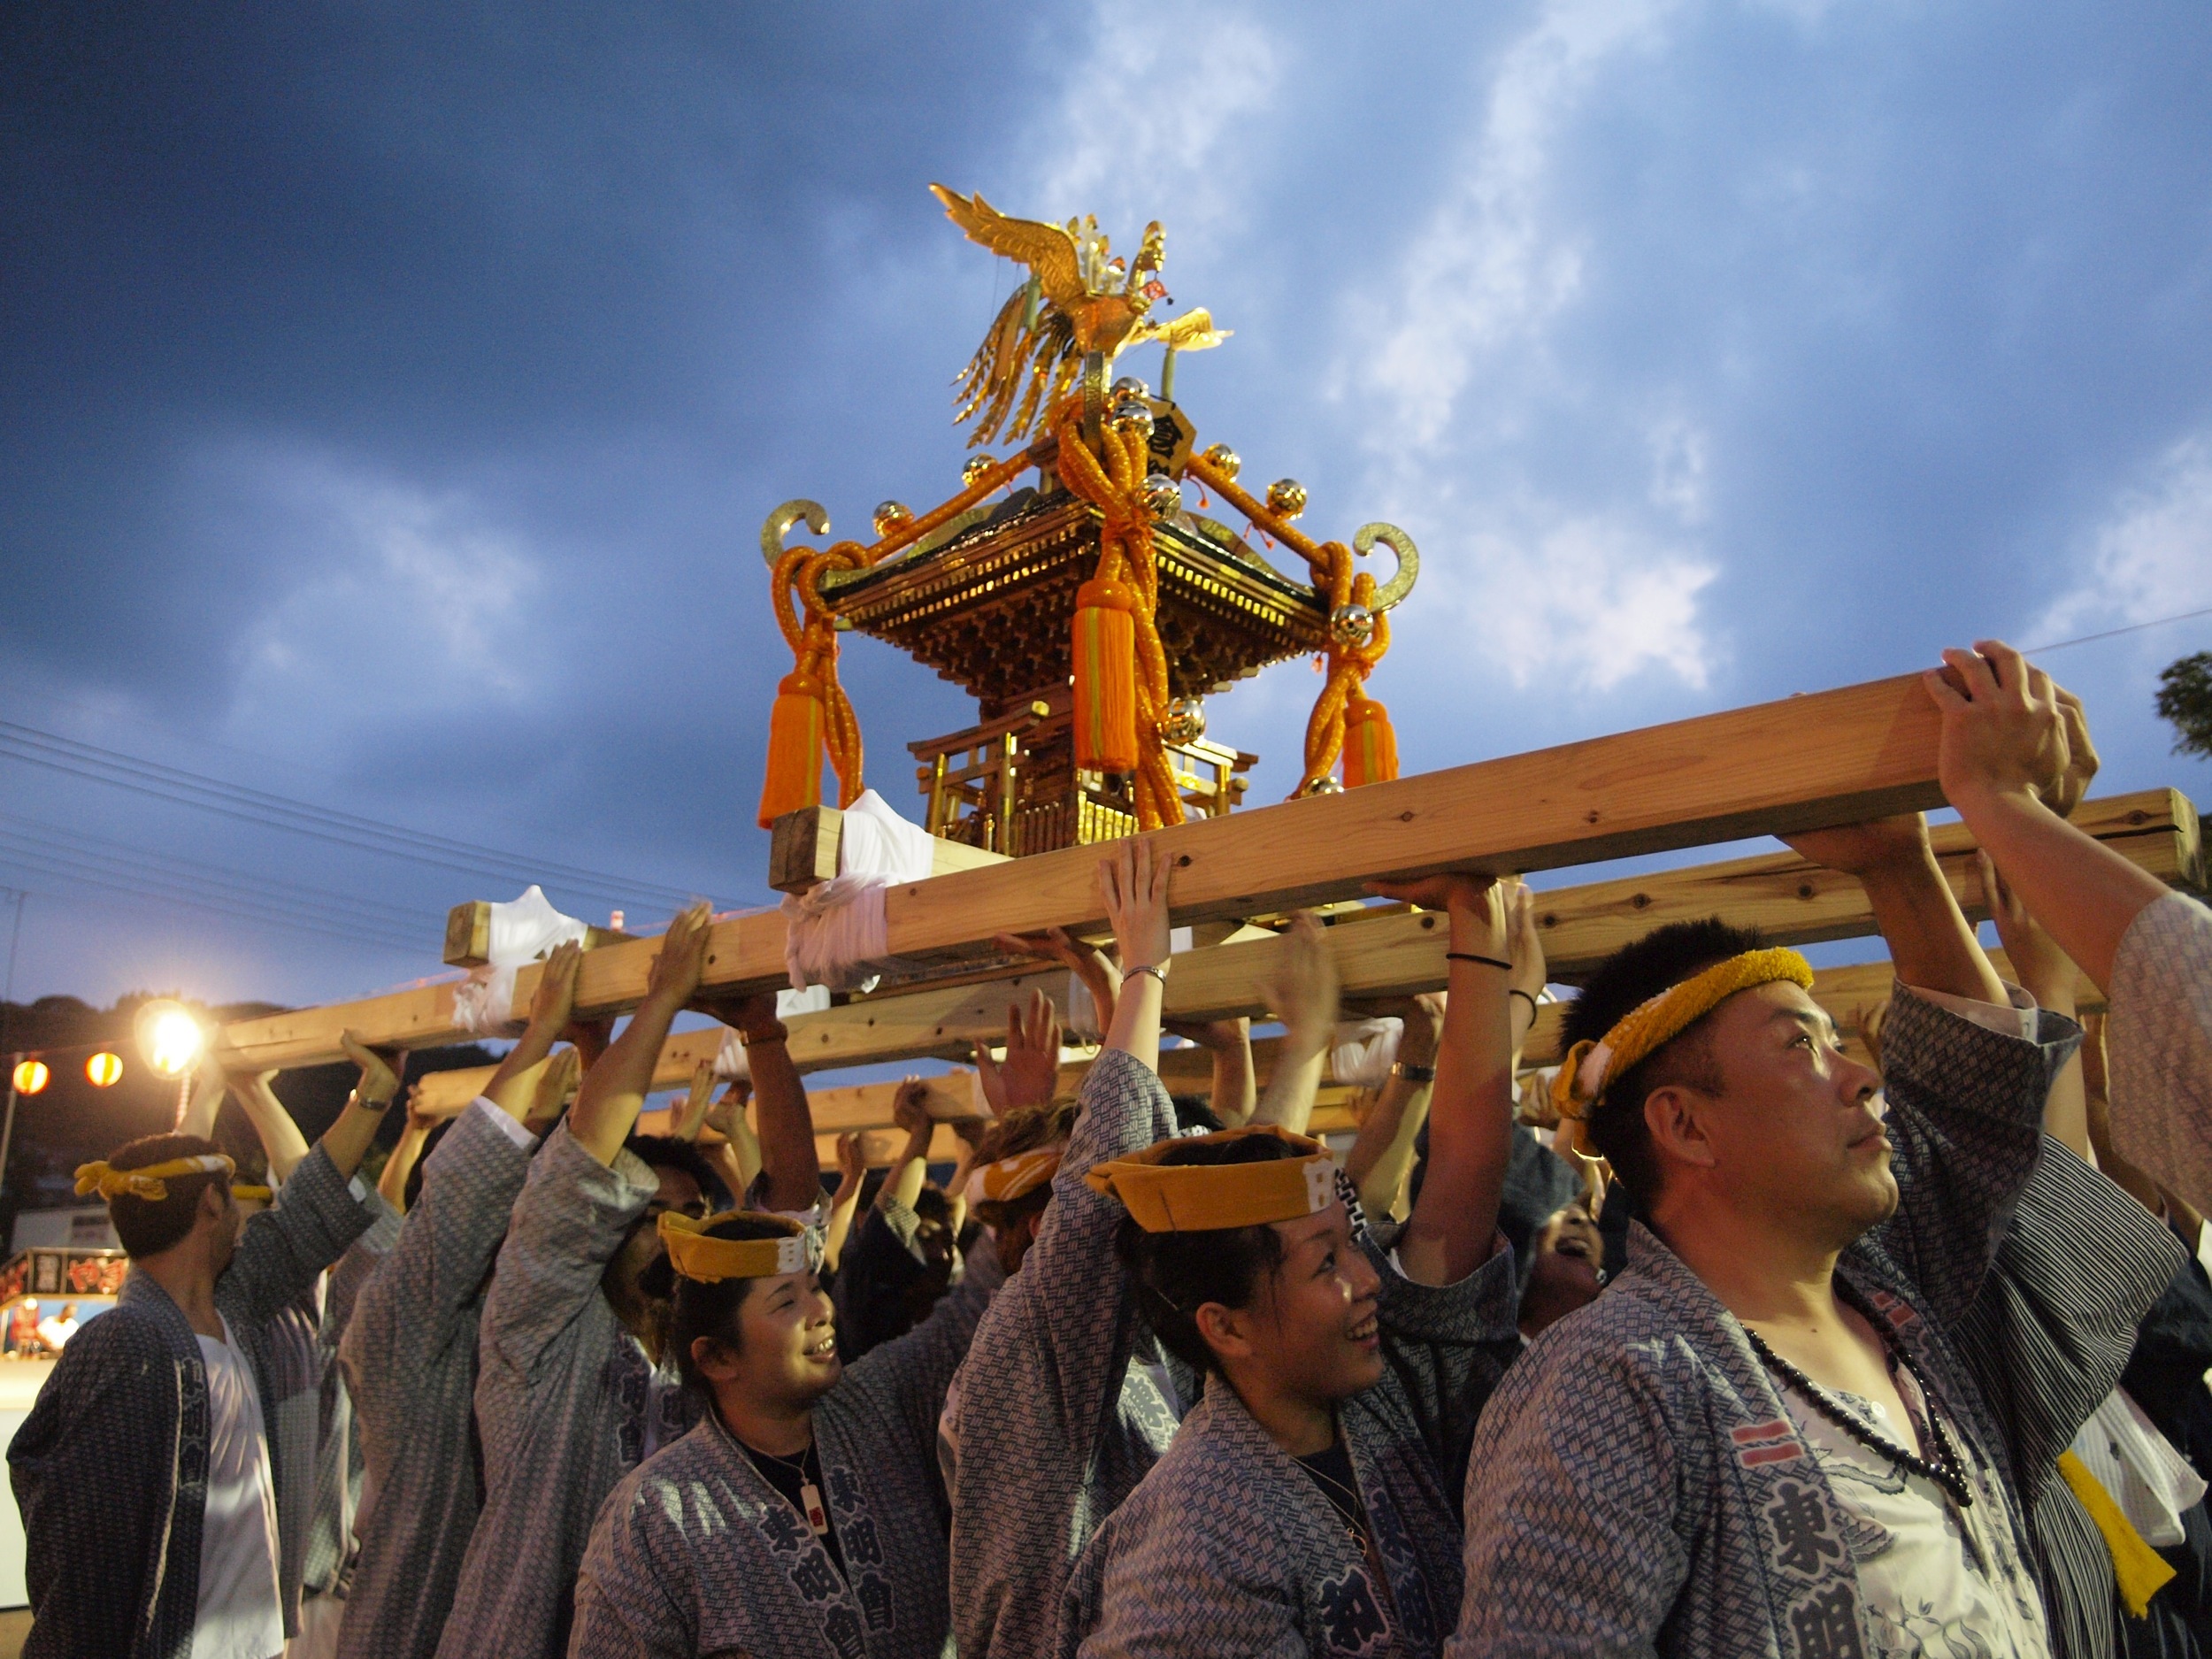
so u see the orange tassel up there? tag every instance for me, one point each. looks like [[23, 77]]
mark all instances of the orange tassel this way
[[796, 729], [1105, 677], [1370, 747]]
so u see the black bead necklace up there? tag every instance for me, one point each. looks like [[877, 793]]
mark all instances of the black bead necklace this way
[[1946, 1471]]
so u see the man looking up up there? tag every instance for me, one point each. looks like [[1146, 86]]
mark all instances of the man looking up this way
[[1310, 1503], [145, 1471], [1762, 1439], [409, 1352]]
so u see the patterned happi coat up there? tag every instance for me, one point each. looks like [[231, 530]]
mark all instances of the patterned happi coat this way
[[696, 1553], [1055, 1425], [409, 1359], [110, 1468], [1229, 1548], [2160, 1045], [561, 1396], [329, 1550], [1636, 1485]]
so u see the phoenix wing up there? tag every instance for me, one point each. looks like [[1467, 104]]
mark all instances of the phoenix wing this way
[[1047, 250], [1193, 331]]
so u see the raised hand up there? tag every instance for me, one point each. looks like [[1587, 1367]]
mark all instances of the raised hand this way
[[379, 1078], [1303, 995], [1527, 952], [1030, 1074], [553, 1003], [556, 1081], [1453, 892], [692, 1117], [1855, 849], [2005, 730], [852, 1164], [681, 961], [727, 1116], [909, 1107], [1134, 881]]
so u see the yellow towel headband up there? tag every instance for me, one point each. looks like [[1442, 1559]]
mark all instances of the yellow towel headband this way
[[252, 1194], [150, 1183], [1202, 1197], [1650, 1025], [1009, 1179], [706, 1261]]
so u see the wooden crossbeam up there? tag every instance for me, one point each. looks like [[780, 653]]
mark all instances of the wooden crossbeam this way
[[1803, 763], [803, 851], [468, 935]]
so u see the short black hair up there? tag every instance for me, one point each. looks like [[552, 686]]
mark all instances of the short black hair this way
[[712, 1311], [1631, 976], [147, 1226], [1192, 1112], [1177, 1273], [666, 1152]]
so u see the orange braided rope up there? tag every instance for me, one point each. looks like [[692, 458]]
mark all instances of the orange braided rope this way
[[1125, 554], [1349, 665], [812, 636]]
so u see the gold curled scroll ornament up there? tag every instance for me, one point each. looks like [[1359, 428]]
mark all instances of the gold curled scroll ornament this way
[[778, 525], [1402, 580]]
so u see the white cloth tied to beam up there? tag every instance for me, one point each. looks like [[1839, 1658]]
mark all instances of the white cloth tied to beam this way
[[1365, 1050], [834, 934], [521, 932]]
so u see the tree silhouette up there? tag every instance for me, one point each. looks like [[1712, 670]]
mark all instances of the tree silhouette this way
[[2185, 698]]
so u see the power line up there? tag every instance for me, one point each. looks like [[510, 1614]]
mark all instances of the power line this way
[[239, 894], [2113, 633], [253, 806]]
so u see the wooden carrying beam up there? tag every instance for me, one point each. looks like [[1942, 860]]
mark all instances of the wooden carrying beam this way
[[1399, 952], [1803, 763], [803, 851]]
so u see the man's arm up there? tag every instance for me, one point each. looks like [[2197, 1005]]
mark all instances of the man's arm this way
[[1303, 997], [852, 1170], [1235, 1085], [788, 1157], [391, 1184], [1134, 882], [2046, 975], [1382, 1154], [615, 1087], [281, 1142], [2012, 744], [347, 1142], [1453, 1226], [911, 1168], [1929, 938]]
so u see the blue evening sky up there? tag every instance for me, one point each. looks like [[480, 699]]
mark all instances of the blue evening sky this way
[[392, 395]]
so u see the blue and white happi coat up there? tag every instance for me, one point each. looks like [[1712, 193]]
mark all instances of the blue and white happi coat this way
[[1229, 1548], [1055, 1423], [696, 1553]]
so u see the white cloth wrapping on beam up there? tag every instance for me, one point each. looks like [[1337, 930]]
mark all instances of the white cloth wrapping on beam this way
[[1365, 1050], [521, 932], [835, 932]]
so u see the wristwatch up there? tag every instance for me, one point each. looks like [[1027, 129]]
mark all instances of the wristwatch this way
[[1413, 1073]]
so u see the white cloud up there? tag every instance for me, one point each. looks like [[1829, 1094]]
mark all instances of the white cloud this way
[[2152, 556], [1489, 270], [1148, 120], [403, 598], [1578, 602]]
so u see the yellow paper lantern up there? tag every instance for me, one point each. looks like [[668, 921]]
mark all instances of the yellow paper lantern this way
[[104, 1070], [31, 1076]]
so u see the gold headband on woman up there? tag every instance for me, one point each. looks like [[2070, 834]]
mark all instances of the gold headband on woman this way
[[706, 1261], [245, 1192], [1202, 1197], [150, 1183], [1009, 1179], [1650, 1025]]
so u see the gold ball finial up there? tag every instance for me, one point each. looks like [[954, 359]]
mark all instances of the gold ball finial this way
[[1351, 625], [1326, 784], [1285, 498], [977, 466], [1224, 460], [1130, 386], [1162, 496], [1185, 721], [1130, 414], [891, 515]]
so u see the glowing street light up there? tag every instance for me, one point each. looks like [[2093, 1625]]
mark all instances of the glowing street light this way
[[104, 1070], [31, 1076], [169, 1037]]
